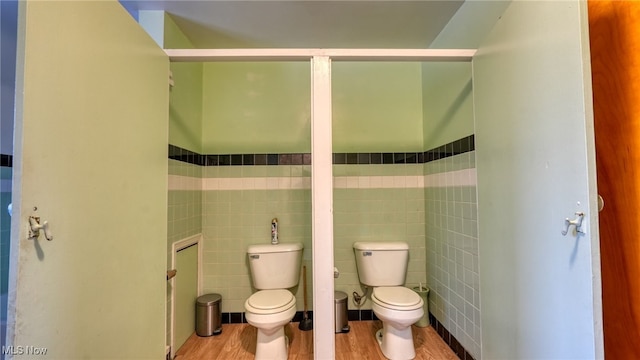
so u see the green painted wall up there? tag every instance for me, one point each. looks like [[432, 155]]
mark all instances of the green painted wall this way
[[447, 103], [185, 105], [377, 107], [265, 107], [251, 107], [447, 87]]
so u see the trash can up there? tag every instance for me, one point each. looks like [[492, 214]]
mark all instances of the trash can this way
[[342, 320], [208, 316], [423, 291]]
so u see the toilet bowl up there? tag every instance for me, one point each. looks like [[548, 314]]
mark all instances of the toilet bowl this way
[[398, 308], [269, 311], [274, 269]]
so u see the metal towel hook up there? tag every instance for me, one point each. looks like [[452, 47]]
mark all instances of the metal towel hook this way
[[577, 222], [35, 227]]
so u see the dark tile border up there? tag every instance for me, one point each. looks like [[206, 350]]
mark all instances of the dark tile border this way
[[6, 160], [361, 315], [453, 343], [453, 148], [353, 315], [187, 156], [238, 317]]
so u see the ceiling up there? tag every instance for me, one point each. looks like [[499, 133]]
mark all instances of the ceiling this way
[[306, 24]]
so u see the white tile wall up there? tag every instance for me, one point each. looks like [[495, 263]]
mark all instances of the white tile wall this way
[[466, 177], [452, 247]]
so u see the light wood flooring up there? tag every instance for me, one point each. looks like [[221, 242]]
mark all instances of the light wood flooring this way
[[238, 341]]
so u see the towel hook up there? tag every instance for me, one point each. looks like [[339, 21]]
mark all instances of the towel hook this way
[[35, 227], [577, 222]]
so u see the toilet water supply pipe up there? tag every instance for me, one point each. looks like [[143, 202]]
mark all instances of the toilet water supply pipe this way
[[360, 299]]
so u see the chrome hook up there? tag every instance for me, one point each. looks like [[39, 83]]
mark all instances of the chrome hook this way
[[577, 222]]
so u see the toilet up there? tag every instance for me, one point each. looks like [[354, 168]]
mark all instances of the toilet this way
[[274, 270], [383, 266]]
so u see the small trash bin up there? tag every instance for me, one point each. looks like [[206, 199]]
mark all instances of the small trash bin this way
[[342, 320], [208, 315], [423, 291]]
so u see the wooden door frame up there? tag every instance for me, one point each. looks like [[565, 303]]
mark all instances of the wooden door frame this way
[[613, 27]]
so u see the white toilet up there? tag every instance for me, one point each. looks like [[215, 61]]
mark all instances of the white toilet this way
[[274, 269], [383, 266]]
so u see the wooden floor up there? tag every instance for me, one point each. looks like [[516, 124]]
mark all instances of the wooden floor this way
[[238, 341]]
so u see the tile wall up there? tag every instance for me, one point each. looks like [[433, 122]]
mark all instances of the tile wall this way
[[238, 205], [377, 203], [184, 216], [5, 239], [185, 205], [452, 247]]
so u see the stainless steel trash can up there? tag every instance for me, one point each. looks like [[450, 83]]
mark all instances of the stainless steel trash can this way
[[208, 315], [342, 320]]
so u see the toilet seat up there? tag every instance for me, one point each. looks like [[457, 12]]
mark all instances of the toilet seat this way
[[396, 298], [270, 301]]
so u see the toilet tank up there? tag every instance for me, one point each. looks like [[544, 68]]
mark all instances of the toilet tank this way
[[382, 263], [275, 266]]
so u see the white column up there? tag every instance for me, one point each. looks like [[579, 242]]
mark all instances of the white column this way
[[322, 208]]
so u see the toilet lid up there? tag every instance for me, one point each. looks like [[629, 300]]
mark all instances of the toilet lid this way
[[270, 299], [397, 297]]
